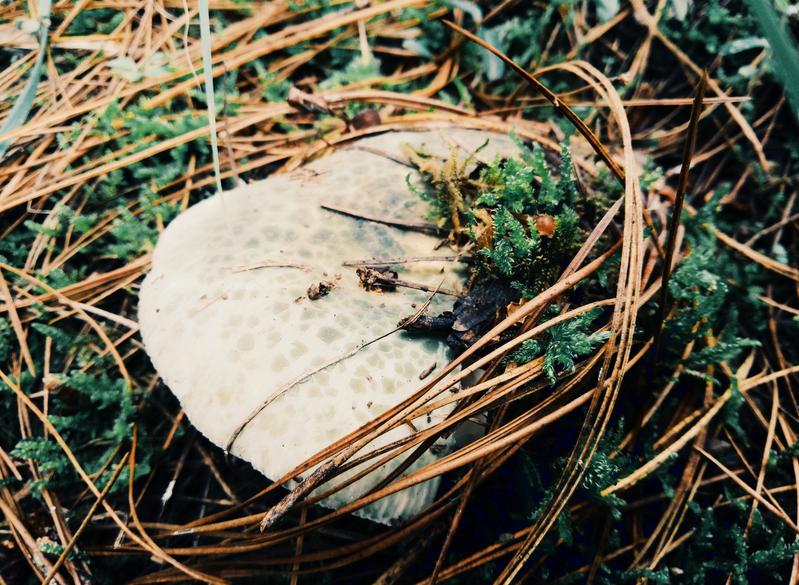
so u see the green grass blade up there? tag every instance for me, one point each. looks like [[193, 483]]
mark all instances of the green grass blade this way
[[205, 37], [783, 46], [22, 107]]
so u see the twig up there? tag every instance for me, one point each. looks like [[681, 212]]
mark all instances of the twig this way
[[679, 199], [397, 223], [405, 260], [381, 153], [417, 286], [267, 264]]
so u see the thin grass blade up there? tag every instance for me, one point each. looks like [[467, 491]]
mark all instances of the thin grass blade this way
[[22, 107], [205, 38], [783, 46]]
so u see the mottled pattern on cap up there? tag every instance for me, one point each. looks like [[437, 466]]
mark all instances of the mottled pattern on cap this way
[[226, 328]]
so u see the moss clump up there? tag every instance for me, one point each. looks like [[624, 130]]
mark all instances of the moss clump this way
[[521, 219]]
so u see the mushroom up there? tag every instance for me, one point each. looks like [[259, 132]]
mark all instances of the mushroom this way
[[261, 368]]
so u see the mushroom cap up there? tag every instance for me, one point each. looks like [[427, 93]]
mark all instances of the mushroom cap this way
[[228, 325]]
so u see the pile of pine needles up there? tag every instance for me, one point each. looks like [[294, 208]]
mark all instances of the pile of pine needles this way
[[665, 454]]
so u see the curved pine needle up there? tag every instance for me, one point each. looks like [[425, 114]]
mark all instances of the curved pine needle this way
[[563, 108]]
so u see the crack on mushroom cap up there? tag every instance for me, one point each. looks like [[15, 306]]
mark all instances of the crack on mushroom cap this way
[[220, 324]]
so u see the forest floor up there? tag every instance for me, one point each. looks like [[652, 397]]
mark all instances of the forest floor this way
[[647, 434]]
